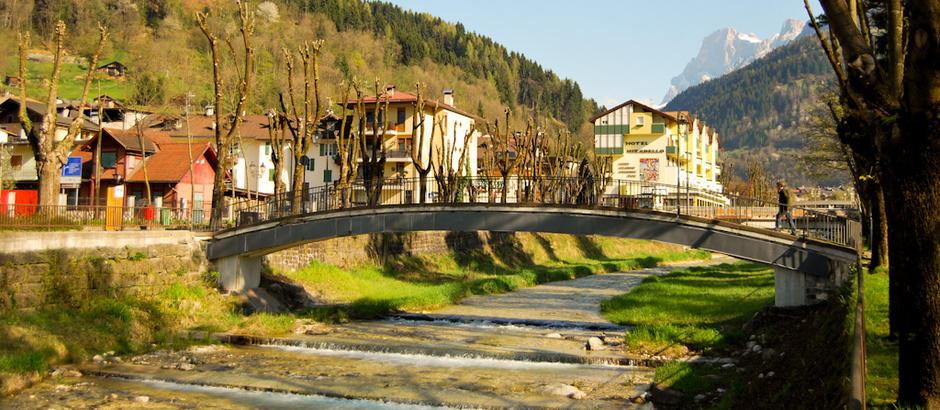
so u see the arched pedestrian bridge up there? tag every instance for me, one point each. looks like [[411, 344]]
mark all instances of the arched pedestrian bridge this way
[[805, 269]]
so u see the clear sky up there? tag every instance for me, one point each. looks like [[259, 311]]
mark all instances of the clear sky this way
[[616, 50]]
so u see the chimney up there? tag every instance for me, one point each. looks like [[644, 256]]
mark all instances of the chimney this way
[[390, 89], [449, 98], [210, 111]]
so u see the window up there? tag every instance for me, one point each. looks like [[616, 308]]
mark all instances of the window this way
[[267, 148], [401, 116], [327, 150], [271, 175], [233, 149], [370, 116], [16, 162], [310, 164], [404, 144], [400, 169], [327, 175], [108, 160]]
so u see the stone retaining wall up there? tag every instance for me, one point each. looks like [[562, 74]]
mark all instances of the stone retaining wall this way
[[66, 272], [351, 251]]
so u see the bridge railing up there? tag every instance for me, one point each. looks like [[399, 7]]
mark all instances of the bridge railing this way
[[830, 225]]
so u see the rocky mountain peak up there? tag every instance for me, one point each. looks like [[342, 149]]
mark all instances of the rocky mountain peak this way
[[727, 49]]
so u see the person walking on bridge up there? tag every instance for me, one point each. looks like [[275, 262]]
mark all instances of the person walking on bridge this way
[[785, 200]]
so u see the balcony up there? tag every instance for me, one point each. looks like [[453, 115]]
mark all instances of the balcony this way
[[609, 151], [398, 155]]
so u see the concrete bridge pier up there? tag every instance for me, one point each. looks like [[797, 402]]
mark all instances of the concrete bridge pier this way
[[789, 287], [238, 272]]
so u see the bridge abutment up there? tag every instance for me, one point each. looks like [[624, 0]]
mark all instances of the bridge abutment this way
[[238, 272], [789, 287]]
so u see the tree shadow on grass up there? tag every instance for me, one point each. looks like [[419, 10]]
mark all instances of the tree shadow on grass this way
[[547, 246], [589, 248]]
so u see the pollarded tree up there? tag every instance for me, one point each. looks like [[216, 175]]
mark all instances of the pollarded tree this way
[[227, 125], [49, 151], [891, 96], [505, 152], [302, 123], [347, 145], [417, 150], [373, 155]]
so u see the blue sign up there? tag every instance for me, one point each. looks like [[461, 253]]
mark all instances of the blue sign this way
[[72, 172]]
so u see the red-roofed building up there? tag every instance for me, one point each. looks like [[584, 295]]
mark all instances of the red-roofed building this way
[[253, 170], [127, 158]]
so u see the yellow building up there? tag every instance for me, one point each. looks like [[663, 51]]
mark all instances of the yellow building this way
[[658, 151], [401, 137]]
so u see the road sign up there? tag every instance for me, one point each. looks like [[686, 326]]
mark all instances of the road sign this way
[[72, 172]]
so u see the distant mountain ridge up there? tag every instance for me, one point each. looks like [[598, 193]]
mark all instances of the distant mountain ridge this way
[[758, 109], [728, 49]]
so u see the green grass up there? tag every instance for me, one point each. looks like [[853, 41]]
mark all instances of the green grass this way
[[32, 341], [882, 382], [71, 82], [699, 308], [415, 283]]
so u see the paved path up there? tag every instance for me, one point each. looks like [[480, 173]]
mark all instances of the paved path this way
[[576, 300]]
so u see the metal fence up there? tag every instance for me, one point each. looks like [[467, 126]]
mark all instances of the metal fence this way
[[101, 217], [836, 226]]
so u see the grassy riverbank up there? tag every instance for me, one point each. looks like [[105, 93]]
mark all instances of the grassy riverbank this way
[[803, 354], [882, 381], [33, 341]]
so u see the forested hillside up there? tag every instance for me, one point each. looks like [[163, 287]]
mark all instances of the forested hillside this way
[[758, 109], [167, 55]]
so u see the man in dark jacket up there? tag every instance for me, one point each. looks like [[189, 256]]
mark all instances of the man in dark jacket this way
[[785, 199]]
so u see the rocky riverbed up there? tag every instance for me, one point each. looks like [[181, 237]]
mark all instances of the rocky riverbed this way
[[541, 347]]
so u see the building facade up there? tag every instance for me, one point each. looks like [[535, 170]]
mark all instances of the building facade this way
[[664, 150], [402, 137]]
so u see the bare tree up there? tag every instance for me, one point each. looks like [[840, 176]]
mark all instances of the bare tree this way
[[347, 148], [824, 150], [505, 155], [373, 157], [890, 95], [277, 126], [49, 151], [449, 172], [302, 127], [417, 150], [224, 136]]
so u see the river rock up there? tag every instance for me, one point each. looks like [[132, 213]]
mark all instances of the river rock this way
[[142, 399], [65, 372], [205, 349], [553, 335], [566, 390], [699, 397], [97, 358], [595, 343]]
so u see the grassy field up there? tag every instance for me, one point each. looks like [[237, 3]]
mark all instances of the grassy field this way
[[882, 381], [32, 341], [697, 309], [71, 82]]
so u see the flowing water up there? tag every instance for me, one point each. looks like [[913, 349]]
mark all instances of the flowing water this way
[[524, 349]]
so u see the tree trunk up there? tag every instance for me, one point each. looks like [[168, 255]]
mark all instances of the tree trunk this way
[[912, 197], [297, 185], [879, 227], [218, 190], [48, 169]]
